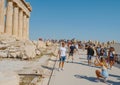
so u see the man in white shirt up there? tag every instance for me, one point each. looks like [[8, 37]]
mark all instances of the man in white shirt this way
[[62, 56]]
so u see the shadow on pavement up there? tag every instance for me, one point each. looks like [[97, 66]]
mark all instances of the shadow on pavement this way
[[92, 79], [83, 64], [117, 76], [46, 67], [53, 60], [49, 68], [74, 63], [79, 63], [112, 75], [85, 77], [113, 83]]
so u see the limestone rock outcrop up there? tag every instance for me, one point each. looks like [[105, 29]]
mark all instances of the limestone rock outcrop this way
[[48, 43], [11, 47]]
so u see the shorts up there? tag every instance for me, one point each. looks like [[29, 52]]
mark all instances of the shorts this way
[[89, 57], [111, 58], [70, 54], [62, 59], [105, 74]]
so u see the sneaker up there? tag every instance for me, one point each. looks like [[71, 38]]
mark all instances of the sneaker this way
[[97, 80], [58, 69], [105, 80], [62, 69]]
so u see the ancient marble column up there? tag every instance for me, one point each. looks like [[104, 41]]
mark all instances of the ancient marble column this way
[[2, 16], [20, 24], [9, 17], [15, 20], [24, 25], [27, 29]]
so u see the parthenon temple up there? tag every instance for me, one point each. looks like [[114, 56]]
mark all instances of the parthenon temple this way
[[14, 18]]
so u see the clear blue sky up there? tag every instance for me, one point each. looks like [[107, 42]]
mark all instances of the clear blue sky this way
[[80, 19]]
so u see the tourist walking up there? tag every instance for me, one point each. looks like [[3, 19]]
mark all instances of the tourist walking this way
[[71, 52], [90, 53], [62, 56], [111, 56]]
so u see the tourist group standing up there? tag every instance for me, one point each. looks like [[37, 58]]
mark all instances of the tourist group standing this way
[[104, 57]]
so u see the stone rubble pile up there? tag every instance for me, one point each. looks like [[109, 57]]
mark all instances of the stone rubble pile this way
[[10, 47]]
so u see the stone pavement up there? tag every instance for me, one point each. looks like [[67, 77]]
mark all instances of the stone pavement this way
[[79, 73]]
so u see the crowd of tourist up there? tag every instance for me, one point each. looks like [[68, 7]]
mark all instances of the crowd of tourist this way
[[104, 56]]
